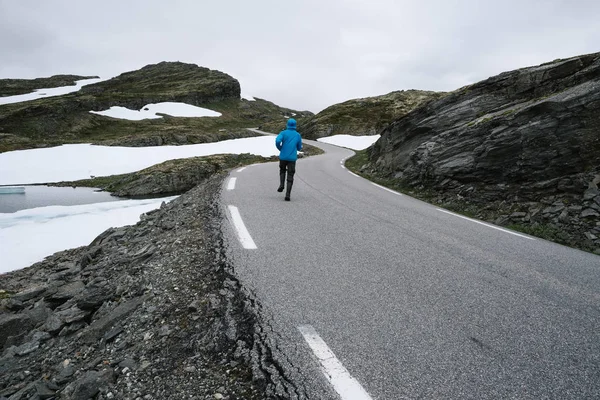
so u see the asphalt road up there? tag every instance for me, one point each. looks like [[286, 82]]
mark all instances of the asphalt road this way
[[416, 303]]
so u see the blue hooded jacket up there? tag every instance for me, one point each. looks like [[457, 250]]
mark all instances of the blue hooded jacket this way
[[288, 142]]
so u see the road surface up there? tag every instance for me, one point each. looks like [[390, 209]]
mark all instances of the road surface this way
[[414, 302]]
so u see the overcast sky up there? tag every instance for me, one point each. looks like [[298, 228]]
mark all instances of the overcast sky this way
[[306, 54]]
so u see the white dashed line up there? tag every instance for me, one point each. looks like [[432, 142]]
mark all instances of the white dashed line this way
[[386, 189], [483, 223], [231, 183], [344, 384], [242, 233], [241, 169]]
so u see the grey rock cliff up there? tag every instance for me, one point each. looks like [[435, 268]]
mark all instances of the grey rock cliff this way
[[522, 128], [525, 143]]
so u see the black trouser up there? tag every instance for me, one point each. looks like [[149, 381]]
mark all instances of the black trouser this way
[[290, 166]]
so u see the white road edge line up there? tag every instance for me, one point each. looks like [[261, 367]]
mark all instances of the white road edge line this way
[[384, 188], [231, 183], [242, 233], [352, 173], [483, 223], [344, 384], [241, 169]]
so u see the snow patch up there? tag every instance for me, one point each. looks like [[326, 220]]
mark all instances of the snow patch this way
[[28, 236], [49, 92], [350, 142], [80, 161], [150, 111]]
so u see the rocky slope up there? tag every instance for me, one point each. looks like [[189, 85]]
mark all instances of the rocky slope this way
[[66, 119], [150, 311], [525, 142], [366, 116], [12, 87], [174, 177]]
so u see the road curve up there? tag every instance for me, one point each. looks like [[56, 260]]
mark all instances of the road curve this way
[[415, 302]]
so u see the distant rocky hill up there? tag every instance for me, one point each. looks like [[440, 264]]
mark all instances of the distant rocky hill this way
[[366, 116], [524, 144], [66, 119], [166, 81], [13, 87]]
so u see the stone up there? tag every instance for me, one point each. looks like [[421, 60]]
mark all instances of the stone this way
[[590, 193], [590, 236], [588, 212], [113, 333], [91, 382], [518, 215], [72, 314], [564, 216], [164, 330], [94, 294], [128, 363], [66, 292], [13, 325], [42, 391], [99, 327], [554, 209], [39, 313], [53, 324], [14, 305], [29, 294], [27, 348], [194, 306], [73, 269]]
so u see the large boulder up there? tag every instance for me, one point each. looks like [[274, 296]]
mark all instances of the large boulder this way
[[13, 325], [527, 132]]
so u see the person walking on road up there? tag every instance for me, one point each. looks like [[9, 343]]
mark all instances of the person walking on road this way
[[288, 142]]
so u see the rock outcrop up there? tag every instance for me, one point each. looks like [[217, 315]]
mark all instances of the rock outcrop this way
[[164, 82], [366, 116], [528, 139]]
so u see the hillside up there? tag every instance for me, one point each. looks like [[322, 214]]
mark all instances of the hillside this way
[[366, 116], [67, 119], [521, 149], [12, 87]]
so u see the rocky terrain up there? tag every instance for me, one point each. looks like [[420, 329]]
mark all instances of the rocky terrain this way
[[174, 176], [13, 87], [366, 116], [521, 149], [150, 311], [66, 119]]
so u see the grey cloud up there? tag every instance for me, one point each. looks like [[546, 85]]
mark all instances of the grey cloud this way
[[304, 55]]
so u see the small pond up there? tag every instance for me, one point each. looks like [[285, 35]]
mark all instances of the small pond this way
[[42, 196]]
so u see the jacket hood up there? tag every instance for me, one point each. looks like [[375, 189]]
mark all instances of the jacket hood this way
[[291, 124]]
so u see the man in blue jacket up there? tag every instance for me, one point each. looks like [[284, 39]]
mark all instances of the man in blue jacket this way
[[288, 142]]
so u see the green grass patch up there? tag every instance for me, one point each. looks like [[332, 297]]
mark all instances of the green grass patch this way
[[544, 231]]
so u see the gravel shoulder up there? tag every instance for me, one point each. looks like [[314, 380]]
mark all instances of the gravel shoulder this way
[[149, 311]]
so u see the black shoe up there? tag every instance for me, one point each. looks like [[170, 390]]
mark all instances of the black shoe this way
[[287, 198], [280, 189]]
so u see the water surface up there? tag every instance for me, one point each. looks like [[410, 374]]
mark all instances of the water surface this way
[[42, 196]]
